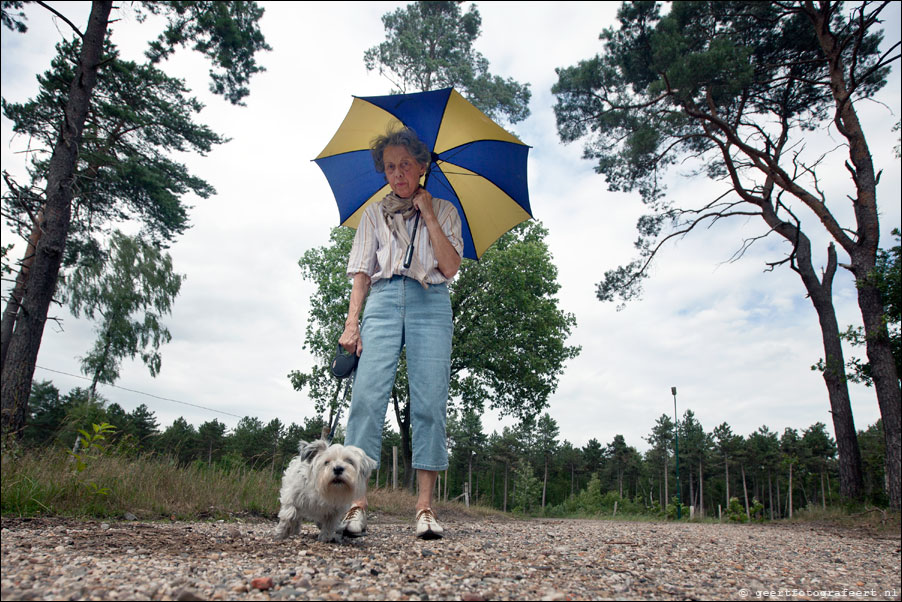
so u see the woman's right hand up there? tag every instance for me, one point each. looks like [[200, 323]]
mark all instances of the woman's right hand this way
[[350, 338]]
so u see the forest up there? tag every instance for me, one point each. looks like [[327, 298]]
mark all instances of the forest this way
[[526, 469]]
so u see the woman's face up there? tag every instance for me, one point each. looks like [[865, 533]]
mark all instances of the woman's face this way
[[401, 170]]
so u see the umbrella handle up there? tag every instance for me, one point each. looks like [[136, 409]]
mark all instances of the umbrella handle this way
[[408, 257]]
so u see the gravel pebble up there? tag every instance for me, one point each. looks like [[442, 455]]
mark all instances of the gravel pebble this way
[[490, 559]]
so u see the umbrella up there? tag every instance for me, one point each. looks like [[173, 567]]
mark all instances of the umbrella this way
[[476, 164]]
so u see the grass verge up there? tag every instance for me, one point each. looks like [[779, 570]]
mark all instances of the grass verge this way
[[46, 483]]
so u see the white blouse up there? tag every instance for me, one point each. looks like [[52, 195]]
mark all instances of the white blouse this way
[[378, 254]]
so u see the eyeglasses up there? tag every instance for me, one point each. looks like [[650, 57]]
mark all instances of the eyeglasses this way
[[404, 166]]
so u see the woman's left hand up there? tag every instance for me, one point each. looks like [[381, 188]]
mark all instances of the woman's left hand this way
[[422, 200], [447, 256]]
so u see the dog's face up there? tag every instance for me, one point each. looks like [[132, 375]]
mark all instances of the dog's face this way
[[338, 473]]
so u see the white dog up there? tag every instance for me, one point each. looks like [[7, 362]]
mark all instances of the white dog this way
[[319, 485]]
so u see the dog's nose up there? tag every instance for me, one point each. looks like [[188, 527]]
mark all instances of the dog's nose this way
[[337, 470]]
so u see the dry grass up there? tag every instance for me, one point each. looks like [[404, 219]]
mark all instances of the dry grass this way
[[45, 482], [870, 521], [400, 503]]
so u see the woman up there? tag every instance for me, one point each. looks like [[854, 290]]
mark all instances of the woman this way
[[406, 307]]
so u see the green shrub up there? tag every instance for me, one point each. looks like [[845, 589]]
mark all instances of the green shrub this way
[[736, 511], [672, 510]]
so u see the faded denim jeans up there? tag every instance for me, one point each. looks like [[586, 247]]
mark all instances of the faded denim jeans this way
[[400, 312]]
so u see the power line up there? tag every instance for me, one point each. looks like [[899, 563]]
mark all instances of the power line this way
[[194, 405]]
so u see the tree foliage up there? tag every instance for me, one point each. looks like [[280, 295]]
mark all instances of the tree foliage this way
[[429, 45], [734, 90], [106, 119], [510, 335], [127, 291], [326, 269]]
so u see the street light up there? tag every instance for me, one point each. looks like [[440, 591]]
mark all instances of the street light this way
[[676, 430]]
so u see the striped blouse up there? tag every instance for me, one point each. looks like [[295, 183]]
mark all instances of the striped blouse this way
[[378, 254]]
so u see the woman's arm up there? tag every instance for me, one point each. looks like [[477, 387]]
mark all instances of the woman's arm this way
[[350, 339], [445, 254]]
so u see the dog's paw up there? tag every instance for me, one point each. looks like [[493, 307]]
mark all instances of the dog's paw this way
[[329, 537], [281, 532]]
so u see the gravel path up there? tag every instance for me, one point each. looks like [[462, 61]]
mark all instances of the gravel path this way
[[58, 559]]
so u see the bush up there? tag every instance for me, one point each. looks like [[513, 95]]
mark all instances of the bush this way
[[672, 510], [736, 511], [527, 489]]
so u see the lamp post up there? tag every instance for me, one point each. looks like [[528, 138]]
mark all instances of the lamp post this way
[[676, 430]]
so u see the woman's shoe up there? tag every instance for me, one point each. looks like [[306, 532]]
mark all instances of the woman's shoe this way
[[354, 522], [427, 526]]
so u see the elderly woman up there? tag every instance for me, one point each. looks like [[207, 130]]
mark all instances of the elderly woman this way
[[406, 307]]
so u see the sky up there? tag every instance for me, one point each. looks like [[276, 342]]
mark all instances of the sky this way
[[736, 340]]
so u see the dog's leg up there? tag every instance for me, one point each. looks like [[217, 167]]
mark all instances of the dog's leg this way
[[329, 528], [289, 523]]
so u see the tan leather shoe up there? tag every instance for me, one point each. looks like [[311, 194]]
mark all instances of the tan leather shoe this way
[[427, 525], [354, 522]]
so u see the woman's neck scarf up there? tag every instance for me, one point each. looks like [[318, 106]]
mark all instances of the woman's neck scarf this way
[[396, 211]]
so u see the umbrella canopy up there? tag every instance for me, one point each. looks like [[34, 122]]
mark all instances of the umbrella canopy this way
[[476, 164]]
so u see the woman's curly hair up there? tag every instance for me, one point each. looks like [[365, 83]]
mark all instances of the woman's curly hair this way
[[405, 137]]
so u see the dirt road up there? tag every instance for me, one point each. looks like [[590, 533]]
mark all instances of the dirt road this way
[[488, 559]]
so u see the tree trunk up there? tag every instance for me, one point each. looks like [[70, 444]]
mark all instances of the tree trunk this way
[[863, 253], [779, 504], [726, 466], [103, 361], [620, 483], [770, 495], [11, 312], [745, 492], [493, 485], [851, 480], [545, 484], [886, 383], [403, 418], [666, 499], [701, 491], [691, 487], [506, 467], [820, 291], [789, 495], [470, 472], [25, 342]]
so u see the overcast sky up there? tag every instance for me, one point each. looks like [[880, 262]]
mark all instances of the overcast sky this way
[[737, 341]]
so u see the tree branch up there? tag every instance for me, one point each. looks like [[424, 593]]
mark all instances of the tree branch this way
[[63, 17]]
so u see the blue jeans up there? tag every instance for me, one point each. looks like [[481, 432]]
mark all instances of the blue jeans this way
[[401, 312]]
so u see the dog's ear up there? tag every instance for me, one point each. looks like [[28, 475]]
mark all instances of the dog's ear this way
[[310, 450], [367, 463]]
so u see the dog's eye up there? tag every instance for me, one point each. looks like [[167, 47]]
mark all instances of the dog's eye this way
[[326, 462]]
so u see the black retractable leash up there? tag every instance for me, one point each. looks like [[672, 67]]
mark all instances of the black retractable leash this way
[[408, 257], [343, 367]]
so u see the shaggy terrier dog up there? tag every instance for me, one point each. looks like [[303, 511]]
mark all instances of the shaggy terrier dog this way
[[319, 485]]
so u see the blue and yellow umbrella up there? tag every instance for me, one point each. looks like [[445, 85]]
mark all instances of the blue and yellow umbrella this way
[[476, 164]]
